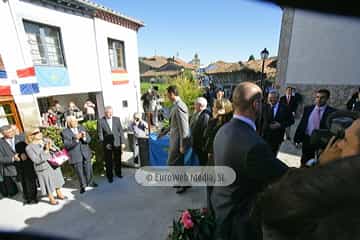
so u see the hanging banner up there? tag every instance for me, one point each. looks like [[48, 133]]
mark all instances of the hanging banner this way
[[52, 76], [119, 77]]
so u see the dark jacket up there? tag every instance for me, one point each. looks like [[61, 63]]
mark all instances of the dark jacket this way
[[292, 105], [7, 164], [198, 131], [78, 150], [314, 203], [301, 129], [114, 137], [239, 147], [283, 116]]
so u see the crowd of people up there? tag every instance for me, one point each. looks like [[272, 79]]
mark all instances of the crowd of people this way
[[56, 115], [26, 158]]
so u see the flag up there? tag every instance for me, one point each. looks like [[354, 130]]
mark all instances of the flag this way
[[119, 77], [27, 81], [52, 76], [5, 89]]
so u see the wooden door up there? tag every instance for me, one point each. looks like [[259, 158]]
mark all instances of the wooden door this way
[[9, 113]]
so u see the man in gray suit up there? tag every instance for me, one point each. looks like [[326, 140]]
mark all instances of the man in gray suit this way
[[111, 135], [237, 145], [8, 159], [179, 131], [76, 141]]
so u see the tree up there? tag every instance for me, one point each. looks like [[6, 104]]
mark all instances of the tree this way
[[251, 57]]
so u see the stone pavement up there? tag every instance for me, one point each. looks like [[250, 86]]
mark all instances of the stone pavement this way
[[122, 210]]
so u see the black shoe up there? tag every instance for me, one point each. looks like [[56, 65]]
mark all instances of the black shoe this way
[[119, 176], [26, 202], [94, 185], [181, 190], [176, 187], [111, 180], [34, 201], [82, 190]]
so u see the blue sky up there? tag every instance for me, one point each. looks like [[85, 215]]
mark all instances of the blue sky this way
[[229, 30]]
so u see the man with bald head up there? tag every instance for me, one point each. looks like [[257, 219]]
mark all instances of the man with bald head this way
[[237, 145], [320, 202]]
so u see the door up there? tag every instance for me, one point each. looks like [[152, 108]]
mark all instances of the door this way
[[8, 113]]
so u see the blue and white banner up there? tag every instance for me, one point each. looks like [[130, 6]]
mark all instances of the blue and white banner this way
[[52, 76]]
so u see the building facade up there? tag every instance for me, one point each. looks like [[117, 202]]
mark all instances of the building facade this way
[[319, 51], [66, 51]]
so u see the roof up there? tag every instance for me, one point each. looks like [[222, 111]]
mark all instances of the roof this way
[[109, 10], [253, 65], [158, 61], [152, 73]]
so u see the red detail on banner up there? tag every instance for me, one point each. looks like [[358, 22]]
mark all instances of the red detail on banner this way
[[120, 82], [119, 71], [5, 90], [27, 72]]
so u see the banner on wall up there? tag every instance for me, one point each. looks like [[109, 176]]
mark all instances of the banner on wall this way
[[52, 76], [119, 77]]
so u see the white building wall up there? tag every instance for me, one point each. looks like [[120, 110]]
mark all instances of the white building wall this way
[[86, 56], [324, 49], [114, 95]]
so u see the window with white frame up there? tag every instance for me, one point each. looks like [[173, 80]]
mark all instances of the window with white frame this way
[[45, 44], [116, 54]]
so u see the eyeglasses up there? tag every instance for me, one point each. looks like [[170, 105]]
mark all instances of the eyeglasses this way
[[35, 133]]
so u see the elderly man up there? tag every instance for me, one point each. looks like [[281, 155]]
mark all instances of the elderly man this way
[[238, 146], [111, 135], [76, 142], [320, 202], [198, 124], [8, 159], [276, 118], [139, 128], [179, 131]]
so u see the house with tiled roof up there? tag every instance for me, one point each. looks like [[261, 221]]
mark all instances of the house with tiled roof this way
[[227, 74], [159, 68]]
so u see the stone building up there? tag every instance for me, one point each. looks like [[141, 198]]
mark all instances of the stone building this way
[[319, 51]]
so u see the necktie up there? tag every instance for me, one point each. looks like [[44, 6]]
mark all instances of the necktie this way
[[272, 112], [288, 100], [317, 118]]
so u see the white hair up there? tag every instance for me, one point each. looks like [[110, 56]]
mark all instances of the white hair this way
[[202, 101], [108, 108]]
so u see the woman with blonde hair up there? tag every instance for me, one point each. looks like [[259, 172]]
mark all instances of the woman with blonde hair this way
[[50, 180]]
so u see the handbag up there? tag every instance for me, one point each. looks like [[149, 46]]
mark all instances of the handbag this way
[[8, 186], [58, 157]]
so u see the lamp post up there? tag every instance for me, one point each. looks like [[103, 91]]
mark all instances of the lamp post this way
[[264, 55]]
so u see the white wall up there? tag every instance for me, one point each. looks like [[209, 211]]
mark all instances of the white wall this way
[[324, 49], [114, 94]]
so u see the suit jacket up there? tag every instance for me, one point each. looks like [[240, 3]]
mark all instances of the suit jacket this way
[[314, 203], [198, 131], [283, 116], [301, 129], [78, 150], [179, 130], [115, 137], [7, 164], [239, 147], [39, 157], [292, 105]]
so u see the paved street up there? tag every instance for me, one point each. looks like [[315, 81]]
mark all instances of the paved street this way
[[122, 210]]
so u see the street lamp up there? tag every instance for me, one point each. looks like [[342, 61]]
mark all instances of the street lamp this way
[[264, 55]]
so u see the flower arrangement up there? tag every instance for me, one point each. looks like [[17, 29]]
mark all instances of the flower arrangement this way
[[193, 224]]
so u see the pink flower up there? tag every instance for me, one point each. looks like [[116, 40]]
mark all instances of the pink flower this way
[[186, 220]]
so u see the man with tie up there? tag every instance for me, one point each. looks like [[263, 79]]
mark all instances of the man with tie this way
[[314, 117], [76, 141], [111, 135], [8, 160], [290, 101], [277, 118]]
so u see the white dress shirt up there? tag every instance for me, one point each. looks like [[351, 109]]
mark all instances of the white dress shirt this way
[[109, 121]]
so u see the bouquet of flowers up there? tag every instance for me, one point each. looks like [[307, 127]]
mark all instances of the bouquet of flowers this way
[[193, 224]]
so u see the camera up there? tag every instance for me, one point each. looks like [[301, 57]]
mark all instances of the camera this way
[[336, 124]]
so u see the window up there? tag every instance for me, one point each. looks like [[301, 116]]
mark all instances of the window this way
[[45, 44], [117, 54], [8, 112]]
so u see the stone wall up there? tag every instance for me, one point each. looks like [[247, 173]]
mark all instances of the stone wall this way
[[339, 94]]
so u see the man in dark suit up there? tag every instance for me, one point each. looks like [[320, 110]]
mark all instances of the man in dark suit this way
[[76, 142], [277, 118], [111, 135], [314, 117], [292, 103], [238, 146], [198, 124], [8, 159]]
